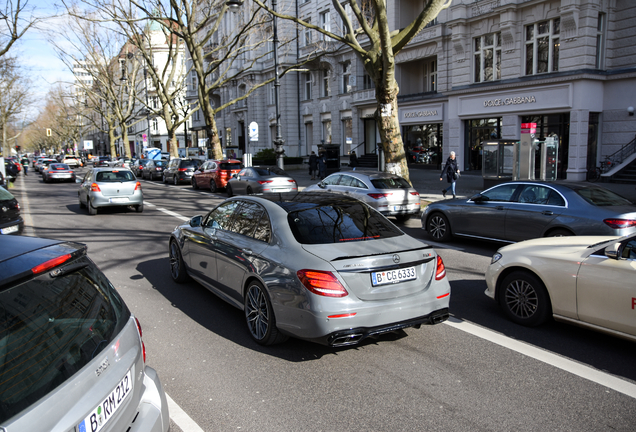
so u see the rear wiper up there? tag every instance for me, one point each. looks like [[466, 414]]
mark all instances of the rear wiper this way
[[68, 269]]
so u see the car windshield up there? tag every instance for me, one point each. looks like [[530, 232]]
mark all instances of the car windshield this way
[[51, 328], [341, 222], [114, 176], [390, 183], [231, 166], [5, 195], [269, 171], [602, 197]]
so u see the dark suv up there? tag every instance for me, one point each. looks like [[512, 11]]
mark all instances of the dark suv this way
[[72, 353], [180, 170]]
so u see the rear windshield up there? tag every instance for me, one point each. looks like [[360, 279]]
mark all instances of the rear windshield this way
[[5, 194], [390, 183], [160, 163], [114, 176], [270, 171], [337, 223], [50, 328], [602, 197], [231, 166], [190, 163], [59, 166]]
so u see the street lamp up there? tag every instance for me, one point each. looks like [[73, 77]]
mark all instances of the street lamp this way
[[278, 141]]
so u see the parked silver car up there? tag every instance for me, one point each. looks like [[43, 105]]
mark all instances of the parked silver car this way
[[388, 193], [72, 355], [110, 187], [522, 210], [316, 266], [258, 180], [58, 172]]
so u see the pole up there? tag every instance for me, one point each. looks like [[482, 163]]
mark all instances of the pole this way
[[278, 142]]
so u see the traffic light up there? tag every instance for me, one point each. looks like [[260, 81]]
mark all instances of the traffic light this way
[[48, 132]]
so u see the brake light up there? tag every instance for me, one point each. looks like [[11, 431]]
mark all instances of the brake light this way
[[620, 223], [292, 181], [440, 273], [265, 181], [143, 346], [415, 193], [183, 169], [379, 195], [138, 186], [323, 283], [48, 265], [95, 188]]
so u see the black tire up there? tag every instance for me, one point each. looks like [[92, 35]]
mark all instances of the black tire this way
[[560, 232], [195, 186], [82, 205], [177, 266], [524, 299], [164, 179], [176, 180], [438, 227], [249, 191], [259, 316], [139, 208], [593, 174], [212, 186], [228, 189], [402, 218], [91, 210]]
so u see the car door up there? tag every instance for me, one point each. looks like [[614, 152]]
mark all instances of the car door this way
[[485, 217], [240, 182], [331, 183], [533, 210], [239, 246], [85, 186], [605, 289]]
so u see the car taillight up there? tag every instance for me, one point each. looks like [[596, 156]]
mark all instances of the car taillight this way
[[440, 273], [620, 223], [379, 195], [292, 181], [48, 265], [415, 193], [323, 283], [183, 169], [143, 347], [138, 186], [95, 188], [265, 181]]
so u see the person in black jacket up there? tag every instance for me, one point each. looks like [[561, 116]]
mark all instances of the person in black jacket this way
[[313, 165], [451, 171], [353, 160]]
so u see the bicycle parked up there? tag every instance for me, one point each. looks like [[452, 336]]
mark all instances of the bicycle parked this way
[[593, 174]]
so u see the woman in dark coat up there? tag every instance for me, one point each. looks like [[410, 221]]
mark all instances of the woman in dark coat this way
[[451, 171], [353, 160], [313, 165]]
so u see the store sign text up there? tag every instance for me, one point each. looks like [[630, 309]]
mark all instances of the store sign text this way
[[413, 114], [509, 101]]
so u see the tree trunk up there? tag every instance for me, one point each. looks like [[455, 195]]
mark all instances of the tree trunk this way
[[213, 137], [390, 134], [124, 138], [174, 144]]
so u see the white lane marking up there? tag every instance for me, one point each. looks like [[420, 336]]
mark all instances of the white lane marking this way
[[179, 416], [171, 213], [146, 203], [29, 229], [552, 359]]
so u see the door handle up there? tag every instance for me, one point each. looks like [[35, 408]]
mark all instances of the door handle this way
[[247, 251], [547, 213]]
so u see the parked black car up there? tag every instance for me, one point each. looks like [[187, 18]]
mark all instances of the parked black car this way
[[138, 165], [154, 169], [10, 220], [180, 170]]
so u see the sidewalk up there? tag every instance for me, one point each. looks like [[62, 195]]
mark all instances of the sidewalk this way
[[426, 182]]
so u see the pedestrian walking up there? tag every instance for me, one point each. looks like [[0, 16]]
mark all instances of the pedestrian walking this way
[[451, 172], [313, 165], [353, 160], [25, 164], [322, 165]]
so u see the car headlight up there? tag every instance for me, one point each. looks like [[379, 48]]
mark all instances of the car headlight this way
[[496, 257]]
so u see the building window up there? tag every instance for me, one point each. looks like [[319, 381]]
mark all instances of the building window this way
[[306, 79], [309, 136], [193, 78], [600, 40], [432, 75], [155, 125], [326, 132], [346, 77], [325, 91], [324, 23], [487, 55], [271, 93], [307, 34], [367, 82], [542, 47], [197, 115], [347, 134]]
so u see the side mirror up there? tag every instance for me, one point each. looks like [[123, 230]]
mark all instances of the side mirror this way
[[196, 221], [614, 251], [321, 185], [479, 198]]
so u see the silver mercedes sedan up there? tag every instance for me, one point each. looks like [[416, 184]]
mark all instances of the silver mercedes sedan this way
[[110, 187], [388, 193], [259, 180], [315, 266]]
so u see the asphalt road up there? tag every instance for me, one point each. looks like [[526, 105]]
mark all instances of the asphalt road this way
[[478, 371]]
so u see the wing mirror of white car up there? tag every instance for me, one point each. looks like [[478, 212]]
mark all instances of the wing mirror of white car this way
[[613, 251], [196, 221]]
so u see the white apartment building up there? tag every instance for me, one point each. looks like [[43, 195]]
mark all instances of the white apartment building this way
[[480, 71]]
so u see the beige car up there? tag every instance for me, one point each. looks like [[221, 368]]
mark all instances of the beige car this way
[[582, 280]]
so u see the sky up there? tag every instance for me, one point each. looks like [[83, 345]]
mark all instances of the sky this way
[[38, 57]]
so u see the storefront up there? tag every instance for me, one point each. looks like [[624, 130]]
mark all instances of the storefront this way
[[423, 133]]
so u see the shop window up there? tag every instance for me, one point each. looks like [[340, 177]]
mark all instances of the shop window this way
[[487, 57], [542, 47], [600, 41]]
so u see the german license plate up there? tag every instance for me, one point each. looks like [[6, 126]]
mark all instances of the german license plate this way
[[118, 200], [393, 276], [398, 208], [9, 230], [98, 418]]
